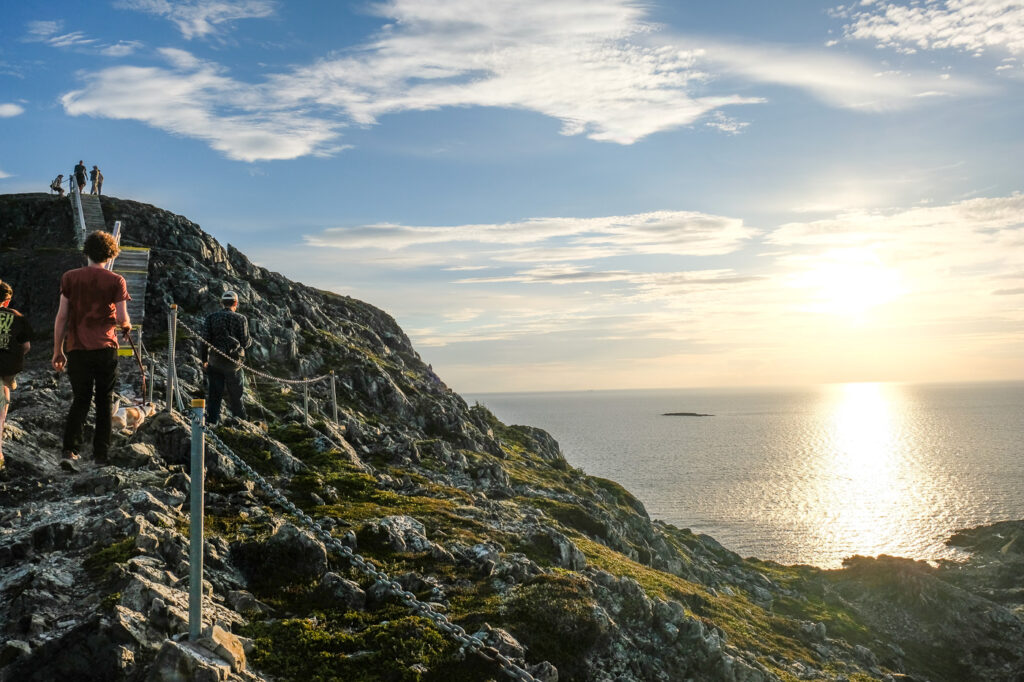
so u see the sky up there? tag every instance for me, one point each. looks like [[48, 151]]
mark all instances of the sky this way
[[574, 194]]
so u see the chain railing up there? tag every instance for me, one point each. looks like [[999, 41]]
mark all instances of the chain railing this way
[[240, 365], [469, 642]]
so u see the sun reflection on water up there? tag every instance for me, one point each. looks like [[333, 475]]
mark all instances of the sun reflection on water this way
[[865, 482]]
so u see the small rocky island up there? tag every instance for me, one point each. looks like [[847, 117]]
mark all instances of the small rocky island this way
[[685, 414], [563, 573]]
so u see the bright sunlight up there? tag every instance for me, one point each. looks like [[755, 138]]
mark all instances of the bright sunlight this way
[[850, 283]]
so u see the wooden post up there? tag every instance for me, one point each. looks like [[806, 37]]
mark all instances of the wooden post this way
[[305, 404], [196, 493], [172, 326], [334, 398]]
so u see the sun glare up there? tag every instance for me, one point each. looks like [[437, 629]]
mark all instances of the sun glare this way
[[849, 284]]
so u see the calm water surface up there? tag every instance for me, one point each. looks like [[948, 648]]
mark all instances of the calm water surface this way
[[801, 476]]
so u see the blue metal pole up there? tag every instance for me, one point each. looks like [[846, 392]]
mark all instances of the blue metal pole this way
[[195, 585]]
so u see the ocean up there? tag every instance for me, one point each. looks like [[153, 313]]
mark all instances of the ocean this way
[[811, 475]]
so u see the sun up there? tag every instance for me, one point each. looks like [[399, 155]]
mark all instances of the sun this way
[[849, 283]]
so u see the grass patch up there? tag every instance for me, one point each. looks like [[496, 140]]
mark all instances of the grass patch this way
[[101, 561]]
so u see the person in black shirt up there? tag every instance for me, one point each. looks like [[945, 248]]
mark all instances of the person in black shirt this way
[[228, 333], [15, 333], [80, 176]]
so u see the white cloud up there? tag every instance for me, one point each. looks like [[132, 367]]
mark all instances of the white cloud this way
[[727, 124], [598, 66], [658, 232], [202, 18], [49, 32], [592, 64], [969, 222], [122, 48], [968, 25], [3, 174], [837, 80], [8, 110], [195, 99]]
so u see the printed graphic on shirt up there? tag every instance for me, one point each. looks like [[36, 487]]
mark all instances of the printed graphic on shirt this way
[[6, 325]]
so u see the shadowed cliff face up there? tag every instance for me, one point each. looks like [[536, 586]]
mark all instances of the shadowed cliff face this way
[[562, 572]]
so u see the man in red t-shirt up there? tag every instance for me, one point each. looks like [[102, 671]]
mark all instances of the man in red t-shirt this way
[[93, 305]]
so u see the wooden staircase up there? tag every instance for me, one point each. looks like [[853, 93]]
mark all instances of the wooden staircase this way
[[133, 264], [92, 213]]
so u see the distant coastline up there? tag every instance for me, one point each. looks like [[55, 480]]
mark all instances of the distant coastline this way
[[685, 414]]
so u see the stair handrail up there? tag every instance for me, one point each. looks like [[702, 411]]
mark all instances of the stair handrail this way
[[77, 204]]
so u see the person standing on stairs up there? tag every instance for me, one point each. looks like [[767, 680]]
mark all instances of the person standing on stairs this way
[[228, 332], [93, 306], [80, 176], [95, 177], [15, 333]]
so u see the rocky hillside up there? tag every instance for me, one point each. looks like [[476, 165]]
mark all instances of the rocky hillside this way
[[562, 572]]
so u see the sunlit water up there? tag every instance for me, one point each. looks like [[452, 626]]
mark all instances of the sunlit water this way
[[801, 476]]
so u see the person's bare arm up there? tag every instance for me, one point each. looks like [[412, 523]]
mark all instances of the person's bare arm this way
[[121, 315], [60, 327]]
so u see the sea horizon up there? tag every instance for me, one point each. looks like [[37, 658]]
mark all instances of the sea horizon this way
[[808, 474]]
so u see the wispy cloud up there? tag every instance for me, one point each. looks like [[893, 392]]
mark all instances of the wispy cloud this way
[[194, 98], [51, 33], [122, 48], [4, 174], [838, 80], [601, 67], [970, 25], [658, 232], [9, 110], [592, 64], [203, 18]]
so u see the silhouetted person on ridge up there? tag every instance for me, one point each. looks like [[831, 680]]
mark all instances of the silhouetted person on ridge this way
[[80, 176], [58, 185]]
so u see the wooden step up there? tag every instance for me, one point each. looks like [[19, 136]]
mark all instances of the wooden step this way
[[133, 264]]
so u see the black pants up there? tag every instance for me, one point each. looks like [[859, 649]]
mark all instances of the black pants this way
[[93, 374], [221, 380]]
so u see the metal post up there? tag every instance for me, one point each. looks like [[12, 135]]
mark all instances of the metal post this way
[[195, 585], [152, 380], [334, 399], [305, 404], [172, 325]]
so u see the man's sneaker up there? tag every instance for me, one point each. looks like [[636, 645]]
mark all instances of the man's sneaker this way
[[70, 455]]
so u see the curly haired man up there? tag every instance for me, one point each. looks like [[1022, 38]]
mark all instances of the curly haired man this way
[[93, 305]]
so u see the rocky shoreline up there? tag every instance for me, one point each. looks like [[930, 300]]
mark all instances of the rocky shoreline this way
[[562, 572]]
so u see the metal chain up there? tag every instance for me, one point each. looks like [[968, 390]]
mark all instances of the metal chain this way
[[468, 642], [199, 337]]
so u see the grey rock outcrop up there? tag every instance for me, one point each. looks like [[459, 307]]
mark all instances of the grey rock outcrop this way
[[485, 522]]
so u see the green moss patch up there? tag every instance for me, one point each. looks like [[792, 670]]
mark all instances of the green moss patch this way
[[101, 561]]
